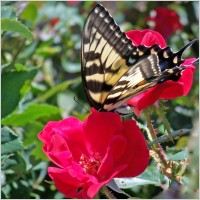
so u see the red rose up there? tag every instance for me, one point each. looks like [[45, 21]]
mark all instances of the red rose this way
[[73, 3], [146, 37], [167, 90], [166, 21], [54, 21], [90, 154]]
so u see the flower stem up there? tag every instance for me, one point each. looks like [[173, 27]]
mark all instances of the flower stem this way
[[108, 193], [156, 147], [152, 133], [162, 113], [156, 152]]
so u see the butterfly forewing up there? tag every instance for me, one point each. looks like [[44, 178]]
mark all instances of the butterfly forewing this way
[[105, 53]]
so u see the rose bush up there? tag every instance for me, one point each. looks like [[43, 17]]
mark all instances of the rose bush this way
[[90, 154], [167, 90], [166, 21]]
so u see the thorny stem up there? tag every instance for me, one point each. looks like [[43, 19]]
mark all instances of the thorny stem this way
[[157, 152], [108, 193], [152, 136], [165, 121]]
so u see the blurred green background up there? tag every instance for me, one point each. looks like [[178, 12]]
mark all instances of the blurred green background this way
[[40, 57]]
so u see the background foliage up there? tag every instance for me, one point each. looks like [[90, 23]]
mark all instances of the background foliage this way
[[41, 76]]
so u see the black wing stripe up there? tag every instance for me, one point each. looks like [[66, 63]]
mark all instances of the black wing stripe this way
[[98, 22], [97, 86], [89, 30], [92, 56], [117, 34], [89, 24], [93, 69]]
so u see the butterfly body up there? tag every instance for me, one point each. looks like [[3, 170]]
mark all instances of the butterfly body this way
[[114, 69]]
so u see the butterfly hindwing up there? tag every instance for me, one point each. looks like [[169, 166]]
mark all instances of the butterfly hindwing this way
[[137, 79]]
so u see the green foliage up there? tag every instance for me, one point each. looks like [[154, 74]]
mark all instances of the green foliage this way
[[16, 27], [179, 156], [7, 12], [12, 83], [41, 75], [30, 12], [144, 179], [30, 113], [10, 143]]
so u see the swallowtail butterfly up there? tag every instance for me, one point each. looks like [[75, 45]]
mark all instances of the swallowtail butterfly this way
[[114, 70]]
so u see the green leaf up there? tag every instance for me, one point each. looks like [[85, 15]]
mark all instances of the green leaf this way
[[70, 66], [9, 141], [182, 155], [125, 183], [16, 27], [7, 12], [79, 116], [37, 151], [31, 113], [20, 67], [17, 164], [28, 51], [60, 87], [112, 184], [11, 84], [64, 99], [162, 114], [30, 12], [22, 190], [7, 135], [47, 51], [31, 131], [149, 176], [3, 66], [31, 137]]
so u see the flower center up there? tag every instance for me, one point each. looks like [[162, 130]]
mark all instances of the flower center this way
[[90, 163]]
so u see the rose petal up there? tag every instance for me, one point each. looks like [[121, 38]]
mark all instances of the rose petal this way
[[113, 156], [100, 127], [137, 152], [146, 37]]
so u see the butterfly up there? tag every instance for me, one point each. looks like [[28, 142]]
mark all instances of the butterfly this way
[[114, 69]]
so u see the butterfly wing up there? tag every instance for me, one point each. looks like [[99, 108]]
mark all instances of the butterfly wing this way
[[106, 52], [140, 77], [113, 68]]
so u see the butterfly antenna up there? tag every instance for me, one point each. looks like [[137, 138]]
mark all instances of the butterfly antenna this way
[[81, 104], [180, 52]]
